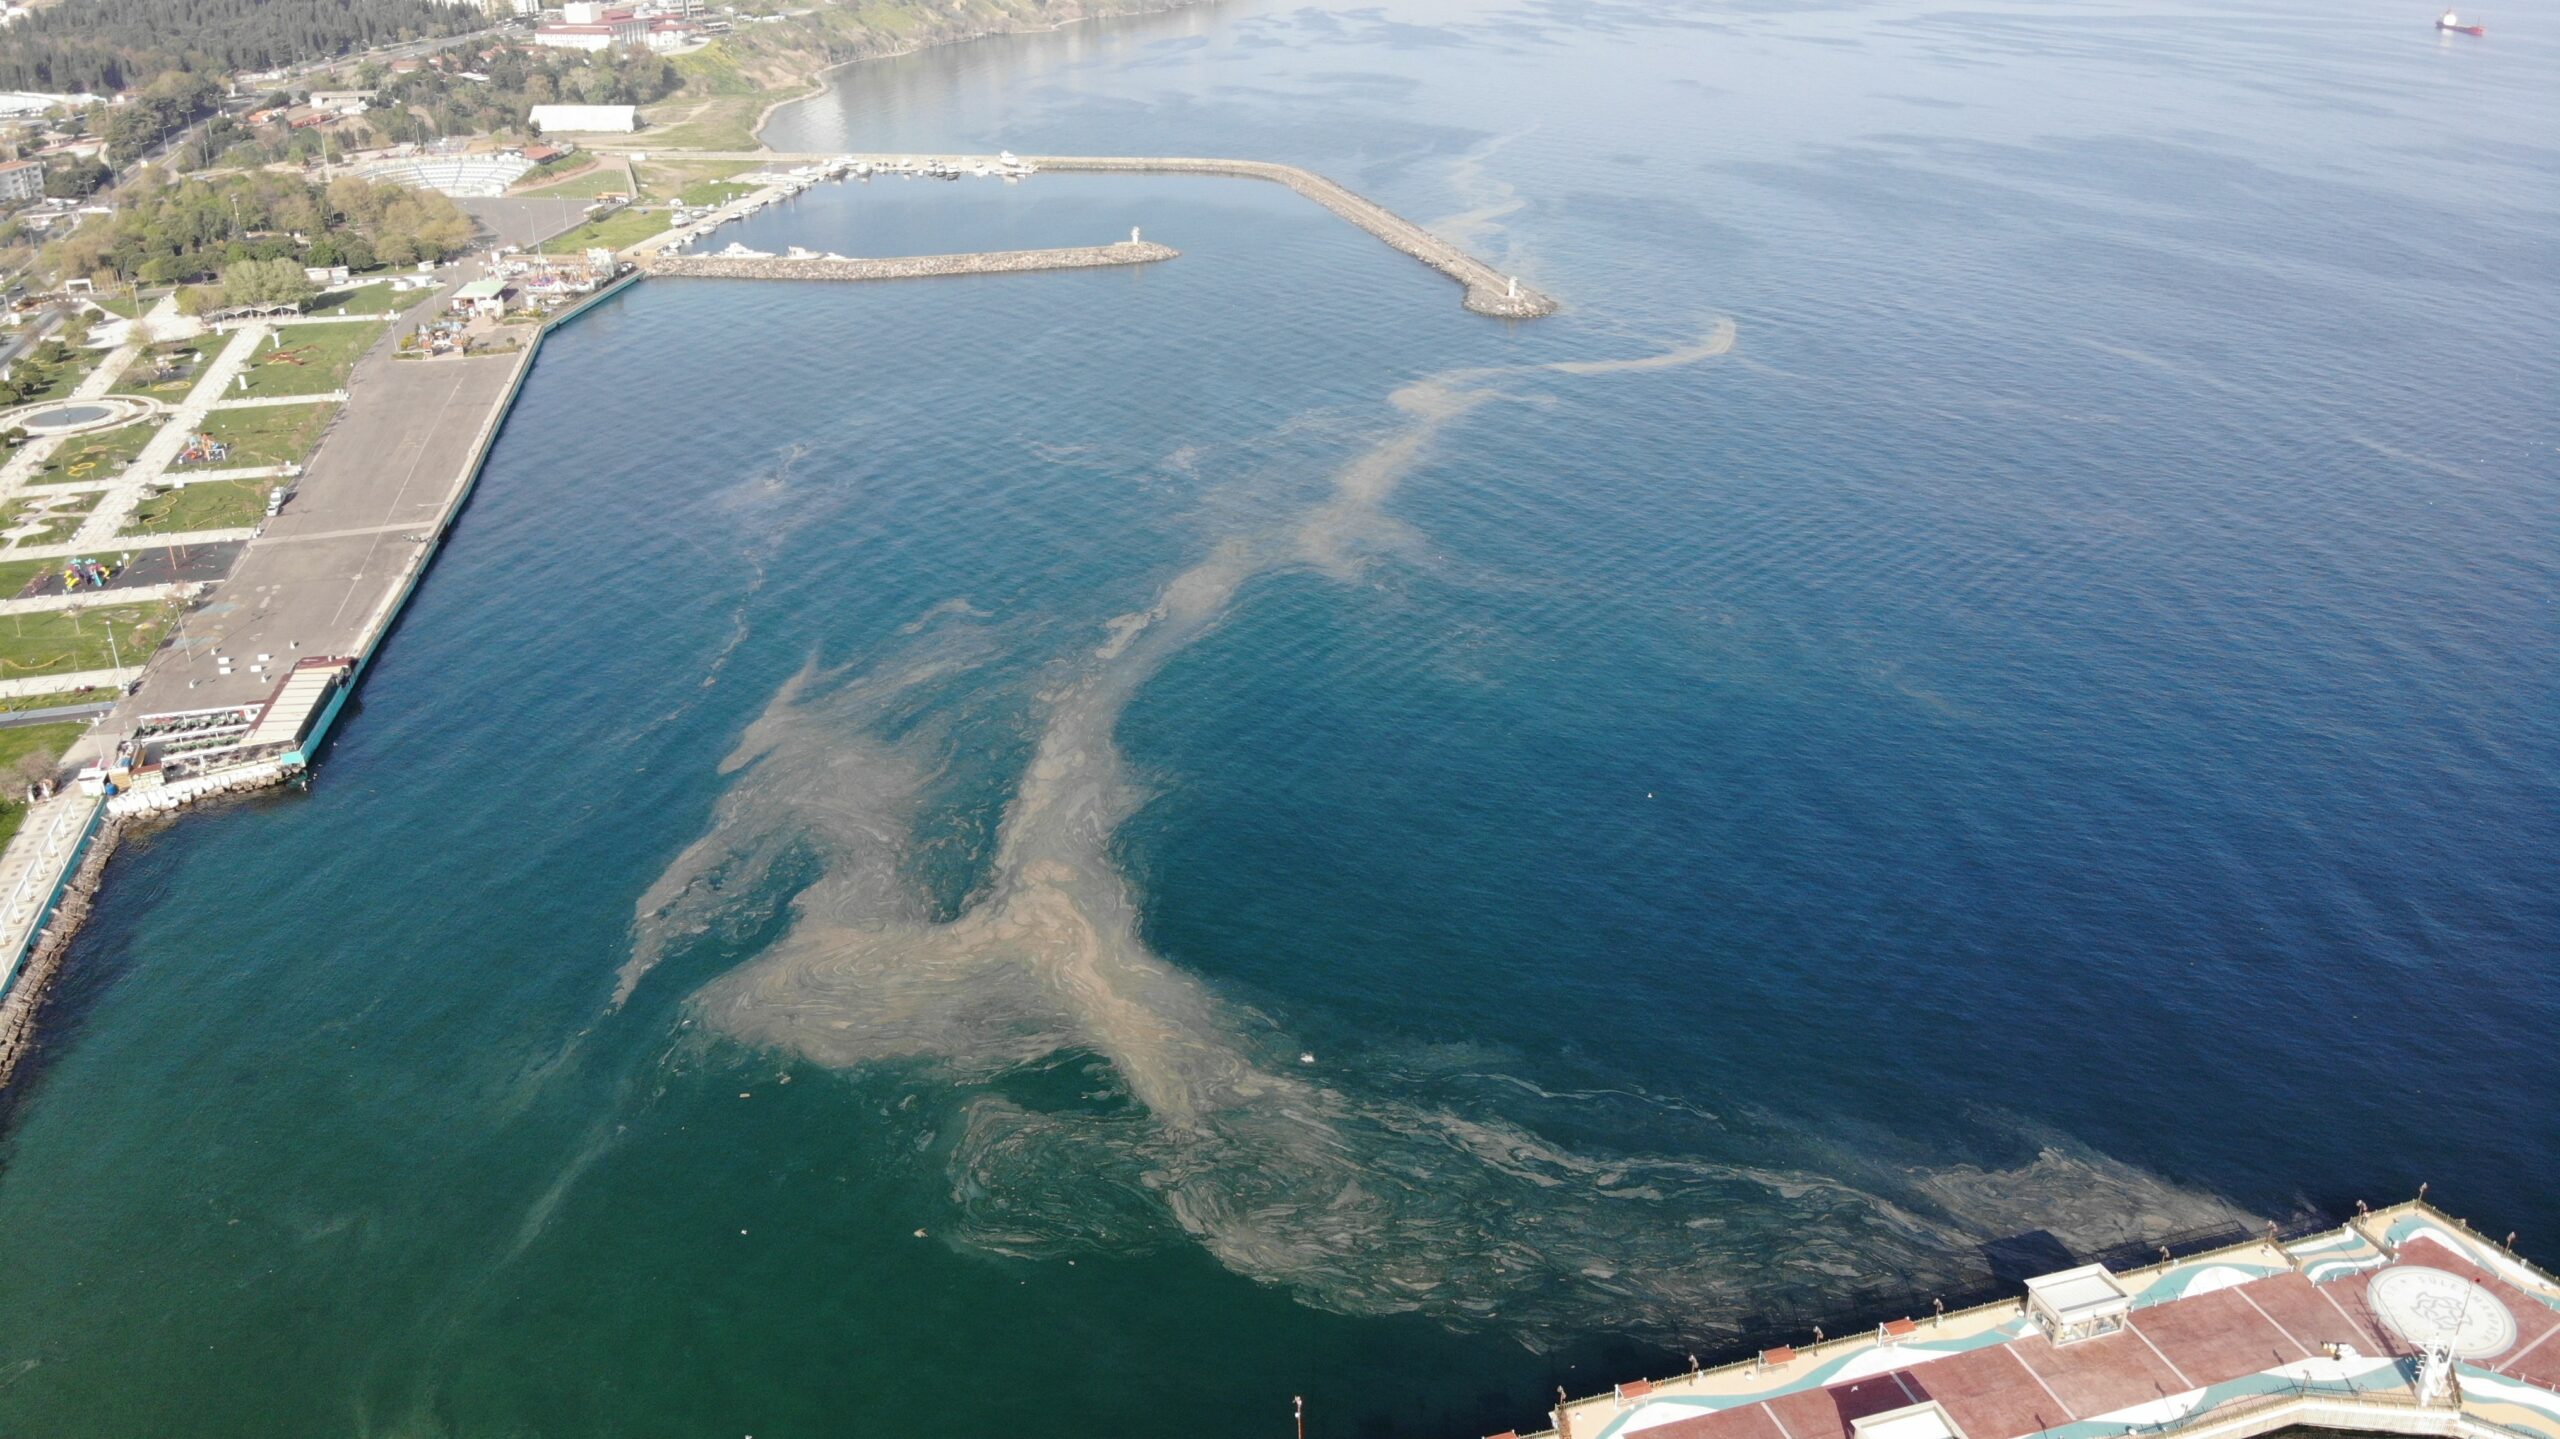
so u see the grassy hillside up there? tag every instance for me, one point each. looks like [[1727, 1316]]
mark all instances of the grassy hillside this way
[[729, 84]]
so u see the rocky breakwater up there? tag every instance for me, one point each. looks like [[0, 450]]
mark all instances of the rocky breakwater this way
[[839, 267], [1489, 291]]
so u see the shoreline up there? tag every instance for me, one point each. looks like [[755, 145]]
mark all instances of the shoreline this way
[[71, 881], [820, 80]]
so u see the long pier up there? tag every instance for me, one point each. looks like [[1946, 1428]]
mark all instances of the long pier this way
[[839, 267], [1488, 291]]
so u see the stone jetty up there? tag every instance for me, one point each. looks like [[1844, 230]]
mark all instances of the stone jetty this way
[[1489, 291], [838, 267]]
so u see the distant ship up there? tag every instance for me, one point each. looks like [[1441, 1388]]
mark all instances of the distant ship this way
[[2450, 21]]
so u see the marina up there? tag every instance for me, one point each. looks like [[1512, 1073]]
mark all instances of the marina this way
[[1488, 290]]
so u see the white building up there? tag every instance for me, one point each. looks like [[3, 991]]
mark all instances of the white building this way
[[22, 180], [556, 119], [616, 27]]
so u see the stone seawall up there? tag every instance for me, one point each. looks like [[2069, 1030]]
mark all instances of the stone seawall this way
[[832, 267], [1489, 291]]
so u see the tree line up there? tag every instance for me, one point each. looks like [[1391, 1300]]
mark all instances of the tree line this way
[[182, 231], [104, 46]]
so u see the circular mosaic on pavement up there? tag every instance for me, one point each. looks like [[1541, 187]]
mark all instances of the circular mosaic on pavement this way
[[2429, 1306]]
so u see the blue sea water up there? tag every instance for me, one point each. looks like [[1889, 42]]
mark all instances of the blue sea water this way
[[1184, 836]]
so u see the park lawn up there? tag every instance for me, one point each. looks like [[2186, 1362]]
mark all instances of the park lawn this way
[[61, 642], [607, 178], [304, 360], [212, 505], [20, 704], [97, 456], [613, 232], [16, 743], [60, 520], [185, 361], [16, 575], [375, 299], [60, 380], [270, 434], [700, 122], [707, 194], [666, 175]]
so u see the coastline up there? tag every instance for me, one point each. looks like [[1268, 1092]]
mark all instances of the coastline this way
[[71, 875], [819, 81]]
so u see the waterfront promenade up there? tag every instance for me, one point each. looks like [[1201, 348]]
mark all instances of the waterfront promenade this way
[[2403, 1322]]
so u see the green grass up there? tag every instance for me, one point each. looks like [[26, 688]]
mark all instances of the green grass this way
[[60, 521], [270, 434], [604, 179], [185, 361], [16, 575], [304, 360], [120, 302], [56, 381], [695, 122], [61, 642], [615, 231], [17, 743], [97, 456], [20, 704], [213, 505], [708, 193], [666, 175], [378, 299]]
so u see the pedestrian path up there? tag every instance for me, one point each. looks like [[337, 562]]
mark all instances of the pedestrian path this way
[[73, 547], [116, 507], [90, 599], [30, 457], [252, 472], [75, 680], [332, 397], [33, 866]]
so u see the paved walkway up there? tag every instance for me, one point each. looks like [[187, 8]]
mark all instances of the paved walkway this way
[[29, 459], [32, 866], [117, 501], [77, 680], [252, 472], [252, 402], [90, 599], [66, 549]]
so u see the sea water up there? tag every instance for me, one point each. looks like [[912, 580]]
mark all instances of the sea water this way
[[1096, 851]]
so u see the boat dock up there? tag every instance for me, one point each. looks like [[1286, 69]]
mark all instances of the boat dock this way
[[842, 267], [2403, 1321]]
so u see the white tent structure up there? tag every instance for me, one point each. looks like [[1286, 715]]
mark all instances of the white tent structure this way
[[2076, 1304]]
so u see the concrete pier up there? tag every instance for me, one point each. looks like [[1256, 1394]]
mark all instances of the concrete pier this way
[[1489, 291], [838, 267]]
